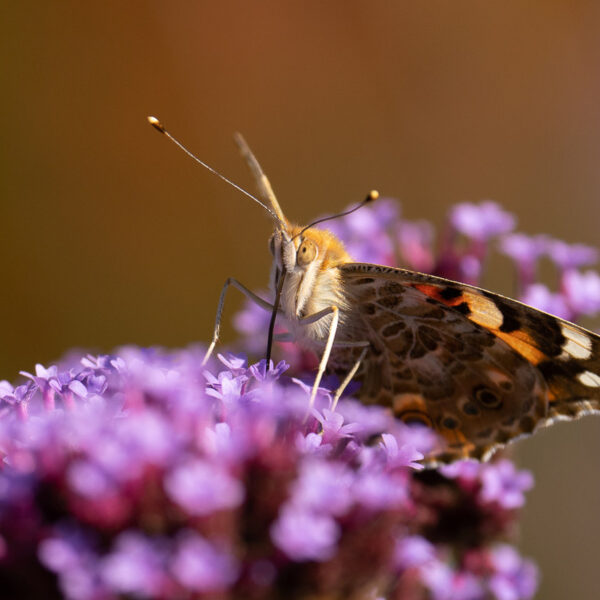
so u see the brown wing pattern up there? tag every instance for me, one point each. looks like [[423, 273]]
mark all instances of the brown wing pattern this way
[[479, 368]]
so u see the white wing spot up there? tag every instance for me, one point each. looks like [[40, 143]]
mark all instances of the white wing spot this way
[[578, 344], [589, 379]]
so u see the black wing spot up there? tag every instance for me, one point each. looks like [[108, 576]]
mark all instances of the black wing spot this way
[[486, 397], [511, 320], [552, 369], [450, 423], [470, 408], [463, 309], [450, 293]]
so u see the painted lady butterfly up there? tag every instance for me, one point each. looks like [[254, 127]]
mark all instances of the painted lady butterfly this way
[[479, 368]]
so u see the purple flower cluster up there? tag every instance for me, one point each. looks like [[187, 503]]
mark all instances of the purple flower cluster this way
[[146, 475]]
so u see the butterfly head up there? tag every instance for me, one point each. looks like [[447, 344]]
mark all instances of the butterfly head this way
[[297, 249], [307, 257]]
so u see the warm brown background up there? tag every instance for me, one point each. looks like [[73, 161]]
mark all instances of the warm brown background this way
[[111, 235]]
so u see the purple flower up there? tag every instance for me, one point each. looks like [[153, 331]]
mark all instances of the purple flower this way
[[252, 322], [201, 488], [526, 251], [481, 221], [71, 556], [444, 583], [368, 233], [226, 387], [379, 491], [416, 245], [467, 471], [503, 484], [524, 248], [136, 566], [201, 566], [333, 428], [514, 578], [43, 378], [88, 479], [582, 292], [571, 256], [17, 397], [236, 364], [323, 487], [413, 551], [400, 456], [259, 371], [303, 535]]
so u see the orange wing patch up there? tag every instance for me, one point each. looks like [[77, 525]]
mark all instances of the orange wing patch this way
[[485, 312]]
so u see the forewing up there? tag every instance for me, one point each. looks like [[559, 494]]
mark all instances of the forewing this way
[[479, 368]]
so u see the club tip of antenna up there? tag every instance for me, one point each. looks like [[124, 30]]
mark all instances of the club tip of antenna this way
[[372, 195], [156, 124]]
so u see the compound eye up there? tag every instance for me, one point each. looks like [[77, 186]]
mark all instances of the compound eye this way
[[307, 252]]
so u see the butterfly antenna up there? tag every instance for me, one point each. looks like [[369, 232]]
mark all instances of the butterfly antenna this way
[[160, 128], [371, 196]]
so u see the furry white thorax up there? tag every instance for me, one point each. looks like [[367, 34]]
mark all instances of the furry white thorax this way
[[306, 290]]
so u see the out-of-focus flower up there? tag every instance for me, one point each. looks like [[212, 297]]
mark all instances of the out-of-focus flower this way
[[503, 484], [512, 577], [481, 221], [367, 233], [582, 292], [571, 256]]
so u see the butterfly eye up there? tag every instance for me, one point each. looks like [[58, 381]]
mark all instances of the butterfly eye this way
[[307, 252]]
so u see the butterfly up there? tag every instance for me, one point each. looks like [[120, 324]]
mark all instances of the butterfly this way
[[478, 368]]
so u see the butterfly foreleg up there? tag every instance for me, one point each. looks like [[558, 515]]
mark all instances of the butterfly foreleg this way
[[307, 320], [250, 295]]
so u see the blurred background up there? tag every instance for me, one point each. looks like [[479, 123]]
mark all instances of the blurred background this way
[[110, 235]]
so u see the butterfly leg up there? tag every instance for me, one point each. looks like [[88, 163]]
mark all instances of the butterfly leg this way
[[242, 288], [350, 375], [335, 312]]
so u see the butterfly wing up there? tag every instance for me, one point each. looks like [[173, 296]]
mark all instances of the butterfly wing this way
[[479, 368]]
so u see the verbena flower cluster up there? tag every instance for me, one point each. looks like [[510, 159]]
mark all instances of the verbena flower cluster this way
[[146, 475]]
